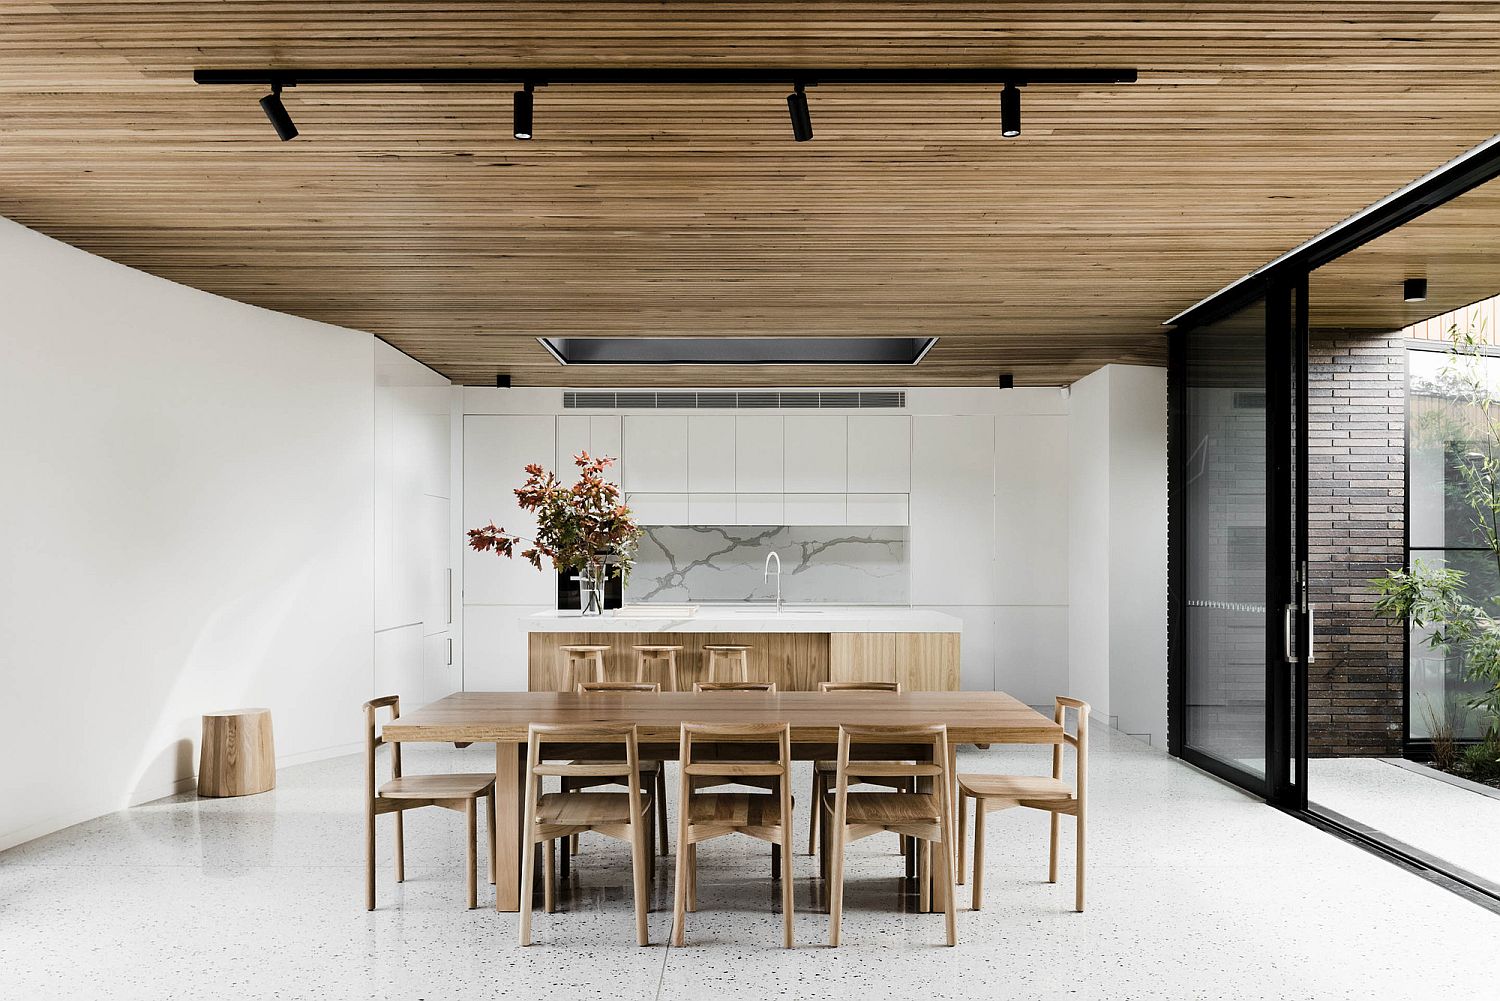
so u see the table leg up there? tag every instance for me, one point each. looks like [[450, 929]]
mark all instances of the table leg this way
[[508, 817]]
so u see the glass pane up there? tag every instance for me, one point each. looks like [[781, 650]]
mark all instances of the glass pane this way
[[1445, 433], [1438, 688], [1225, 505]]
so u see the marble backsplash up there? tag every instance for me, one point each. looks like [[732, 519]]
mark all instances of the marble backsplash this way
[[818, 564]]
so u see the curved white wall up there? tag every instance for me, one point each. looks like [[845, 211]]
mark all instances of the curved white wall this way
[[186, 490]]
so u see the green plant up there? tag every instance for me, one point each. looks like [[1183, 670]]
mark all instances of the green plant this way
[[1443, 729], [1481, 761]]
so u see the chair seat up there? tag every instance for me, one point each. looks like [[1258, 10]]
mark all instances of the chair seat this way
[[1028, 787], [888, 807], [453, 786], [736, 809], [586, 808]]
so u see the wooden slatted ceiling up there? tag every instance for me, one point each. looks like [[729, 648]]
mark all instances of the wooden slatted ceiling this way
[[411, 213]]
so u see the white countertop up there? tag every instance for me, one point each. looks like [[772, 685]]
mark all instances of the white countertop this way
[[754, 617]]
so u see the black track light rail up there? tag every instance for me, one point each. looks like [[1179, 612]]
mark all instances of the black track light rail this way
[[806, 76]]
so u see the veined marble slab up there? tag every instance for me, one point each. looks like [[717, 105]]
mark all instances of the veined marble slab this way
[[755, 618]]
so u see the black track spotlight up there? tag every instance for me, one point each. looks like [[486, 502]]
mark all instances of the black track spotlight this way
[[796, 106], [520, 114], [1007, 380], [1010, 111], [276, 112], [1414, 290]]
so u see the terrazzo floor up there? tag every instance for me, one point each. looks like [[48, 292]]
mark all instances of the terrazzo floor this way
[[1196, 891]]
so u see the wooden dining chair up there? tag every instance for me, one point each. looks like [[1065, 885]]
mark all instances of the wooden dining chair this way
[[1038, 792], [823, 771], [624, 815], [703, 816], [735, 686], [924, 816], [653, 773], [460, 792]]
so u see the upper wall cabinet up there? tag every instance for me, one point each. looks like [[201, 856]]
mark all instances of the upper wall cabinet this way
[[598, 436], [758, 457], [817, 454], [879, 454], [496, 452], [711, 455], [656, 447]]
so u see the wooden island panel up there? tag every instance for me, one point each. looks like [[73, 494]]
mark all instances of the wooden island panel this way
[[921, 662], [795, 661]]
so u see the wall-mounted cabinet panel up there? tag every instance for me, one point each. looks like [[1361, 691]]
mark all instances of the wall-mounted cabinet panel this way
[[496, 451], [435, 530], [879, 454], [495, 646], [658, 509], [711, 454], [817, 453], [758, 455], [441, 675], [1031, 511], [759, 509], [711, 509], [815, 509], [656, 453], [398, 664], [952, 537], [572, 438], [875, 509], [605, 441]]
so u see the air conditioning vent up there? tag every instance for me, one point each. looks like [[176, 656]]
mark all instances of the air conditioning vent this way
[[806, 399]]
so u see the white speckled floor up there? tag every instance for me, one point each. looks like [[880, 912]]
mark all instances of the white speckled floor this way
[[1197, 892]]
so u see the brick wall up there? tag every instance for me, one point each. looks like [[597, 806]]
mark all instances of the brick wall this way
[[1356, 529]]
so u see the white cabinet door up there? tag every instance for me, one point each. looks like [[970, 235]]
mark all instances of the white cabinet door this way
[[441, 675], [398, 664], [572, 438], [435, 532], [875, 509], [656, 453], [1031, 527], [711, 455], [711, 509], [496, 653], [759, 509], [496, 451], [658, 509], [758, 458], [604, 442], [817, 454], [879, 454], [815, 509], [952, 512]]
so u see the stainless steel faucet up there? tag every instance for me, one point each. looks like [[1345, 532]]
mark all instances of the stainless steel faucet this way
[[769, 557]]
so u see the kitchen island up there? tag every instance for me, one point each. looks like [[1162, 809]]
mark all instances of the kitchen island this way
[[797, 647]]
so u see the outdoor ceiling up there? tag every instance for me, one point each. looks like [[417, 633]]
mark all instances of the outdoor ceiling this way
[[410, 211]]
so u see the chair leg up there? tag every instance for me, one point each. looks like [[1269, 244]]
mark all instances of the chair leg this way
[[565, 867], [924, 876], [640, 849], [813, 821], [489, 812], [978, 853], [775, 862], [471, 853], [963, 835], [945, 872], [787, 884], [835, 849], [679, 889], [549, 876], [1078, 877], [400, 849], [370, 856], [692, 877], [661, 809], [1052, 851]]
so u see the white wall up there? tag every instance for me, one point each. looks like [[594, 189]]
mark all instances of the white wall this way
[[188, 512], [1117, 579]]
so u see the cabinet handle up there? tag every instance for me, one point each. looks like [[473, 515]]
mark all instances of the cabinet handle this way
[[449, 593], [450, 651]]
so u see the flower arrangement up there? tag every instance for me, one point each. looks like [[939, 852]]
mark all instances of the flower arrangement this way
[[582, 527]]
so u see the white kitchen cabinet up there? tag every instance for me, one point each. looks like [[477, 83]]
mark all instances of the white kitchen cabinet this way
[[441, 675], [879, 454], [759, 509], [605, 442], [398, 664], [711, 454], [496, 451], [496, 647], [711, 509], [816, 454], [814, 509], [875, 509], [435, 531], [655, 450], [952, 511], [658, 509], [758, 455], [598, 436], [1031, 527]]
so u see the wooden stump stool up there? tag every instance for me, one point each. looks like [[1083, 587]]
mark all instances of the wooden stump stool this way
[[238, 755], [667, 658]]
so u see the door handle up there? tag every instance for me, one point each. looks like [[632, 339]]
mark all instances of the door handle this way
[[449, 594], [1312, 635], [1289, 634]]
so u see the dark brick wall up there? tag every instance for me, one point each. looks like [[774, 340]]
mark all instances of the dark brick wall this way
[[1356, 529]]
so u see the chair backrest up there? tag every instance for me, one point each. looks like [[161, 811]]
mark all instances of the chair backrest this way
[[1079, 739], [735, 686], [746, 737], [860, 686], [624, 766], [907, 738], [374, 738], [585, 687]]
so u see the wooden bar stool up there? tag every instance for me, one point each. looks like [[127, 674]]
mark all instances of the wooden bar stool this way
[[665, 660], [581, 663], [729, 659], [824, 771]]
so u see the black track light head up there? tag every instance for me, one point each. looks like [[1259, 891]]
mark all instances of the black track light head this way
[[502, 380], [1414, 290], [796, 106], [520, 114], [1007, 380], [276, 113], [1010, 111]]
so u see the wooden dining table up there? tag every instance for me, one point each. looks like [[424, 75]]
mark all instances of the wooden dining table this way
[[502, 718]]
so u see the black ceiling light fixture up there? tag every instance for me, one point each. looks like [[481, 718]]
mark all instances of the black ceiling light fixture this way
[[276, 113], [1010, 111], [520, 113], [1414, 290], [1007, 380], [796, 106]]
